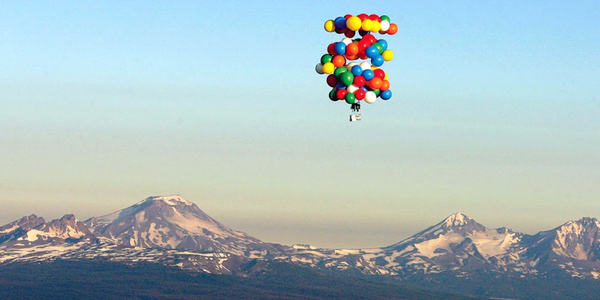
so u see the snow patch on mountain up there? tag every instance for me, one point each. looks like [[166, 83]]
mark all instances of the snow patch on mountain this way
[[113, 217], [141, 217], [172, 200], [9, 229], [303, 247], [32, 235], [431, 248], [36, 252], [493, 243], [187, 221], [577, 253]]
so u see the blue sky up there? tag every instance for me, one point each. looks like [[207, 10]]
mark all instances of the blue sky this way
[[495, 113]]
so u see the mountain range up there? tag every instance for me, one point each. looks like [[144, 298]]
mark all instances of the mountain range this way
[[175, 232]]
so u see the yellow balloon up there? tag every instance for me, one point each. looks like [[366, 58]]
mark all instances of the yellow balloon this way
[[386, 77], [366, 25], [375, 26], [354, 23], [329, 26], [328, 68], [387, 55]]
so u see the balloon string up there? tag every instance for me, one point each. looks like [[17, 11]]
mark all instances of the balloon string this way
[[355, 107]]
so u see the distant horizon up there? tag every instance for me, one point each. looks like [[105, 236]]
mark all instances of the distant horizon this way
[[291, 244]]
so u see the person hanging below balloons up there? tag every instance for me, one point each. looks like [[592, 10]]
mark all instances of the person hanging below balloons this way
[[351, 80]]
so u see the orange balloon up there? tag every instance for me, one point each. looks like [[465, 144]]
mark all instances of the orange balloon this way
[[393, 29], [385, 85], [352, 49], [338, 61], [351, 57], [375, 83]]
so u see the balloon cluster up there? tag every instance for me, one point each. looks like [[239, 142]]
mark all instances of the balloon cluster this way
[[350, 79]]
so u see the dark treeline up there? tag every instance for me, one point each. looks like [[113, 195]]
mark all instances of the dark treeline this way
[[110, 280]]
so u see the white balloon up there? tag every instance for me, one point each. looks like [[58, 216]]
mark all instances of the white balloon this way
[[365, 65], [385, 25], [370, 97], [352, 88], [347, 41], [350, 65], [319, 68]]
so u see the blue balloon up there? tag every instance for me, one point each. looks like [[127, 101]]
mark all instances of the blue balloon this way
[[340, 48], [383, 44], [364, 88], [377, 61], [371, 51], [340, 86], [356, 70], [386, 95], [368, 74], [340, 23]]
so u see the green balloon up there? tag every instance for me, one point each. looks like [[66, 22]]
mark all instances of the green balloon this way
[[377, 91], [339, 71], [350, 98], [378, 46], [326, 58], [385, 18], [332, 95], [347, 78]]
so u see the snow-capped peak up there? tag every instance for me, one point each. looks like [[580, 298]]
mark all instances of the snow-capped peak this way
[[457, 219], [172, 200], [578, 227], [461, 223], [170, 222], [575, 239]]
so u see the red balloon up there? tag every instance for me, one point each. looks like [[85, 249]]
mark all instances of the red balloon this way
[[379, 73], [369, 39], [331, 49], [360, 94], [331, 80], [349, 33], [359, 81], [362, 45], [347, 16], [362, 55], [341, 93], [375, 17], [363, 17]]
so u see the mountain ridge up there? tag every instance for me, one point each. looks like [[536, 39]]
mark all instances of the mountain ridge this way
[[174, 231]]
